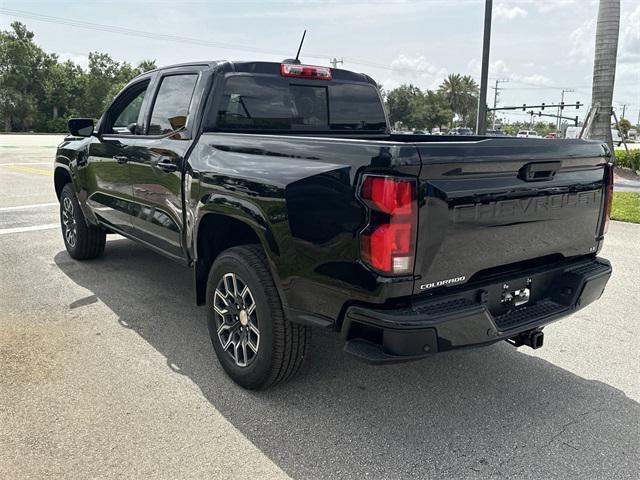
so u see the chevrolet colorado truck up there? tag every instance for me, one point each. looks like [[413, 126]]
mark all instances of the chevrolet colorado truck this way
[[282, 187]]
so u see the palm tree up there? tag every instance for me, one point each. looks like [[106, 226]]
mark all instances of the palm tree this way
[[452, 90], [461, 94], [604, 69], [470, 88]]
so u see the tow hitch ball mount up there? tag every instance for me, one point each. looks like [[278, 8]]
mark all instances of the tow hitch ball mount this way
[[532, 338]]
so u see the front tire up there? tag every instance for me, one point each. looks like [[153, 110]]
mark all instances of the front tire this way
[[256, 345], [83, 241]]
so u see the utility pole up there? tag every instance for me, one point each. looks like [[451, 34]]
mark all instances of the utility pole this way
[[496, 95], [624, 107], [334, 61], [481, 121], [564, 90]]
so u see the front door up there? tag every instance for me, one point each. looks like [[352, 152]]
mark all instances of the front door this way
[[157, 169], [107, 173]]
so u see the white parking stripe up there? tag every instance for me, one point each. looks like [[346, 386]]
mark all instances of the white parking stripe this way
[[26, 163], [48, 226], [26, 207]]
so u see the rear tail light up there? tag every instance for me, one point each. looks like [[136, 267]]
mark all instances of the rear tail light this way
[[387, 244], [608, 176], [305, 71]]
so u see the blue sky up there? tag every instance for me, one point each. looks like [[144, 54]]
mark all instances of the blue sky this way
[[540, 46]]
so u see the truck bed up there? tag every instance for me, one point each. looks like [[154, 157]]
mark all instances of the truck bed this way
[[477, 214]]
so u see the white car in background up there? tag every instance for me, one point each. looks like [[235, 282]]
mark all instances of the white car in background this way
[[574, 132], [615, 136], [528, 134]]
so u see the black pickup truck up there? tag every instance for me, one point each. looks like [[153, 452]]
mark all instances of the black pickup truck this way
[[282, 187]]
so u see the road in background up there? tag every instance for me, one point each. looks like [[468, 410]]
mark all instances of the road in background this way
[[108, 371]]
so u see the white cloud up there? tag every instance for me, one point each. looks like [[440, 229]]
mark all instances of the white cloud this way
[[417, 70], [500, 69], [629, 43], [510, 9], [503, 11], [546, 7], [582, 41], [583, 38]]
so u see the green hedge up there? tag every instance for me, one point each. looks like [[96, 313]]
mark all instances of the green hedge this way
[[630, 159]]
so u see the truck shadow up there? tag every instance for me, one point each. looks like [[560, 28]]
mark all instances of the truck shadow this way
[[493, 411]]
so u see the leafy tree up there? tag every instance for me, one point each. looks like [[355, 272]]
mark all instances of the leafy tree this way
[[101, 75], [436, 110], [541, 127], [402, 104], [23, 66], [625, 126], [38, 92], [417, 109], [63, 89]]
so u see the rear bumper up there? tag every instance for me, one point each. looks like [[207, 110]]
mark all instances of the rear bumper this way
[[473, 315]]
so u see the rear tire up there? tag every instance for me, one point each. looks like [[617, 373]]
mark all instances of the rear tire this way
[[83, 241], [256, 345]]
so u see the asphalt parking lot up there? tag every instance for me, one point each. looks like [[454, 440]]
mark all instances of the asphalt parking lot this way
[[107, 371]]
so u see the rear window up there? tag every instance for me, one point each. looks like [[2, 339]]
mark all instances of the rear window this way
[[271, 103]]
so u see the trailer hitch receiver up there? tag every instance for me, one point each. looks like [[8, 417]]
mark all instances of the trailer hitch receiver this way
[[532, 338]]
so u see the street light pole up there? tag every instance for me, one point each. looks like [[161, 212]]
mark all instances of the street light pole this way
[[481, 121]]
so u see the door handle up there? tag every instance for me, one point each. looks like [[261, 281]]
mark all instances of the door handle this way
[[121, 159], [166, 165], [538, 172]]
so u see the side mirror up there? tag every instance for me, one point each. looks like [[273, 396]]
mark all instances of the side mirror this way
[[132, 128], [81, 127]]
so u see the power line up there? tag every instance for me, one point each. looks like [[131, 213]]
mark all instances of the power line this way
[[171, 38]]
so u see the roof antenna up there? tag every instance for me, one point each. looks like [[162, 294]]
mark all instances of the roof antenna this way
[[300, 47], [295, 61]]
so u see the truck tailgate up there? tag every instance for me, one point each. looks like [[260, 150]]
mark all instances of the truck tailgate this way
[[488, 206]]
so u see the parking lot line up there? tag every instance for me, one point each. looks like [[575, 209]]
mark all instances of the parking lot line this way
[[25, 163], [26, 169], [27, 207], [48, 226]]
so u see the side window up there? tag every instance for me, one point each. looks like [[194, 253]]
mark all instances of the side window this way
[[171, 107], [125, 111]]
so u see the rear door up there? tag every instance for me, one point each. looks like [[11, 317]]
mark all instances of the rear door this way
[[498, 204], [107, 173], [157, 169]]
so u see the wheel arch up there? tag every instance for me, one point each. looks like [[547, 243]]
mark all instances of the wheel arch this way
[[217, 232], [61, 176]]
